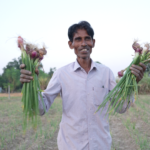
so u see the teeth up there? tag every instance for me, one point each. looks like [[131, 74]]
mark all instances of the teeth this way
[[84, 50]]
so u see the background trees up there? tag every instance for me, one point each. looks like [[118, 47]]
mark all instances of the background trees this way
[[11, 76]]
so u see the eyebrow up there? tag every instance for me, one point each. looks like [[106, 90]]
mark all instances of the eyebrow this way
[[88, 36], [80, 37], [77, 38]]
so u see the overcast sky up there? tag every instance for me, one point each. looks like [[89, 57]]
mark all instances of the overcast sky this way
[[116, 24]]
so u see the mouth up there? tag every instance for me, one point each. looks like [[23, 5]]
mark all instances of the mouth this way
[[84, 50]]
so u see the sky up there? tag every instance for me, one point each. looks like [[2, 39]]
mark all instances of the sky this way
[[116, 24]]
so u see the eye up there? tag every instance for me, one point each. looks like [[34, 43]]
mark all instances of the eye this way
[[88, 38], [78, 39]]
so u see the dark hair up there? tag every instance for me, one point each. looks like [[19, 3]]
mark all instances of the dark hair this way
[[81, 25]]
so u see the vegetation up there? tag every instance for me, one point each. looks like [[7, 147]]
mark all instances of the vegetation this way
[[135, 126], [12, 135], [45, 77], [130, 130], [144, 84], [11, 76], [127, 85]]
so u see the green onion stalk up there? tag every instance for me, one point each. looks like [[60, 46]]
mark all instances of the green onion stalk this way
[[127, 85], [31, 57]]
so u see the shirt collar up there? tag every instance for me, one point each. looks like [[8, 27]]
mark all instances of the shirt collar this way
[[77, 65]]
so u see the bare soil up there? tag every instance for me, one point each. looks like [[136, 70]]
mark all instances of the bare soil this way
[[11, 95], [129, 131]]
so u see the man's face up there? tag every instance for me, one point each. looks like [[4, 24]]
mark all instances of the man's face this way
[[82, 44]]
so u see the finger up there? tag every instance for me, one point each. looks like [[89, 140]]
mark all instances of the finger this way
[[23, 76], [143, 66], [139, 76], [37, 71], [137, 67], [24, 80], [135, 70], [135, 73], [22, 66], [23, 71], [138, 79]]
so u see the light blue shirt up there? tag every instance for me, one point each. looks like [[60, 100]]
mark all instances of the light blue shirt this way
[[82, 93]]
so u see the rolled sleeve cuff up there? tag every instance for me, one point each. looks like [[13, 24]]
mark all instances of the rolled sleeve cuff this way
[[41, 108], [126, 105]]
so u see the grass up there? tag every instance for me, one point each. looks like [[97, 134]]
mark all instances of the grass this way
[[137, 123], [130, 130], [11, 133]]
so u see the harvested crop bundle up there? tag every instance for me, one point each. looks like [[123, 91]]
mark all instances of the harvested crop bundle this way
[[31, 57], [127, 85]]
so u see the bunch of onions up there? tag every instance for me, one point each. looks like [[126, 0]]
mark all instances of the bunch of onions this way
[[31, 57], [127, 85]]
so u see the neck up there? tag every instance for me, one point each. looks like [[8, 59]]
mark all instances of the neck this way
[[85, 64]]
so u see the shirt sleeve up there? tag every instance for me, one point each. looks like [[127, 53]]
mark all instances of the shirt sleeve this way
[[51, 92], [127, 102], [112, 81]]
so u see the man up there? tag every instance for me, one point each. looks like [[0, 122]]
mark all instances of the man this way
[[83, 86]]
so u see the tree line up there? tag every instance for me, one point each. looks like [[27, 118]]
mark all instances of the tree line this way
[[11, 76]]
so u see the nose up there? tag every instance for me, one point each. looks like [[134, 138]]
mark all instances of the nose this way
[[84, 43]]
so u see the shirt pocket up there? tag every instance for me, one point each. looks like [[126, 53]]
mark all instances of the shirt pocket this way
[[99, 94]]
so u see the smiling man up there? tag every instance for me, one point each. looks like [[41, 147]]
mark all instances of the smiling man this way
[[83, 85]]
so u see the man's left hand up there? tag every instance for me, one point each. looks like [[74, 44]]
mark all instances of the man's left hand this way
[[138, 71]]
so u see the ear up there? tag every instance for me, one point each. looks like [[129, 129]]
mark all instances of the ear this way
[[93, 43], [70, 44]]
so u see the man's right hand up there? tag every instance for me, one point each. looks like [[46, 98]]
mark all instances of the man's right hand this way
[[26, 75]]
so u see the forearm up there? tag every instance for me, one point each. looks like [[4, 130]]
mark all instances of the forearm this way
[[45, 102]]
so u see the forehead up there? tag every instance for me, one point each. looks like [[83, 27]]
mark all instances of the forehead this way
[[80, 33]]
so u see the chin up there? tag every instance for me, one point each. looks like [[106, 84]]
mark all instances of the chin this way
[[84, 57]]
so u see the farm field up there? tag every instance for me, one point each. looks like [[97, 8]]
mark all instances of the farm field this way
[[129, 131]]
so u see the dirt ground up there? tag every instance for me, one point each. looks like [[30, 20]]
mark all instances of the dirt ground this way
[[11, 95], [129, 131], [122, 139]]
